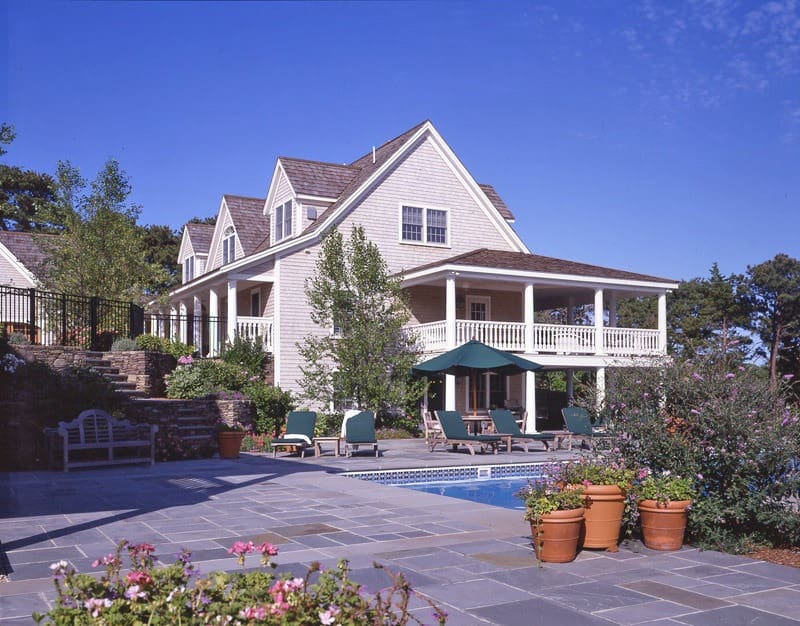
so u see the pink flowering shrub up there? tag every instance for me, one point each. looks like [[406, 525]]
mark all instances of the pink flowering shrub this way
[[178, 594], [724, 427]]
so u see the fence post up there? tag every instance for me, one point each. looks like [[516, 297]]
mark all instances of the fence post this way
[[136, 321], [63, 319], [94, 301], [32, 315]]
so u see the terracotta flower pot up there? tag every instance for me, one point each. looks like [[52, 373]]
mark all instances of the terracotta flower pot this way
[[663, 524], [605, 505], [556, 535], [229, 444]]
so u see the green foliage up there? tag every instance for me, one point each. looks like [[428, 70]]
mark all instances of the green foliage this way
[[272, 405], [151, 343], [18, 339], [600, 471], [543, 497], [204, 377], [248, 352], [368, 360], [773, 296], [729, 431], [177, 348], [178, 594], [124, 344], [161, 244], [665, 487], [101, 251]]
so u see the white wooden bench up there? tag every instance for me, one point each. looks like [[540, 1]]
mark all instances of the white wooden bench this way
[[97, 430]]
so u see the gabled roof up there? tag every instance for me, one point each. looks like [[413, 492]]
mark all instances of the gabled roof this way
[[249, 220], [26, 249], [315, 178], [497, 201], [522, 261], [201, 235]]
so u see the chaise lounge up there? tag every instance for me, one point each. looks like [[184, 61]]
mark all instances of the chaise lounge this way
[[299, 432], [455, 433], [505, 424]]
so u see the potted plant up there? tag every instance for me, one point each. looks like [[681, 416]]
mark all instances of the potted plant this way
[[229, 438], [605, 487], [556, 518], [663, 502]]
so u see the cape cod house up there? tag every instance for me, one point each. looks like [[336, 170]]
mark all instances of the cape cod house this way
[[468, 273], [22, 261]]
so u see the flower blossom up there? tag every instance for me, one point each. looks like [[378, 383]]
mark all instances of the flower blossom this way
[[240, 549], [95, 605], [139, 578], [254, 612], [134, 592], [328, 616]]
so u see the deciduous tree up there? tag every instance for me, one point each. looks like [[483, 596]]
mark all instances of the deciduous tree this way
[[360, 351]]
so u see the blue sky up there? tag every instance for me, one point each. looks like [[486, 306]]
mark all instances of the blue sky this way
[[658, 137]]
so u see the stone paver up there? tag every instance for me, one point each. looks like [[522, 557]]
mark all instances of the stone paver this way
[[475, 560]]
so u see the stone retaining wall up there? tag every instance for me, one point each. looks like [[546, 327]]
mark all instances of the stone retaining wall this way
[[146, 369], [55, 357]]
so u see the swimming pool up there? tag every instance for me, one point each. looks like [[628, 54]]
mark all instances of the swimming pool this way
[[488, 484]]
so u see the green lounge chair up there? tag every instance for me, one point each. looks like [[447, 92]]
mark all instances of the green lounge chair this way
[[578, 423], [299, 432], [505, 424], [359, 430], [455, 433]]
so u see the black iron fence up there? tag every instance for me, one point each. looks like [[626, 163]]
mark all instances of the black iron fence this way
[[47, 318]]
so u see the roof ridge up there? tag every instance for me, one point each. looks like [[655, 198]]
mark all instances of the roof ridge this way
[[411, 130], [236, 195], [315, 161]]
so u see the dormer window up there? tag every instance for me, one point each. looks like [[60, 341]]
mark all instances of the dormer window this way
[[228, 246], [188, 269], [283, 220]]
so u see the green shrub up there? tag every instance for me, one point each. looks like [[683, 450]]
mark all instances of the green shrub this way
[[178, 349], [271, 404], [151, 343], [124, 344], [204, 377], [18, 339], [246, 352], [726, 429]]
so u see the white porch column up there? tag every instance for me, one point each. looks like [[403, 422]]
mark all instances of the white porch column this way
[[184, 331], [232, 310], [598, 321], [172, 323], [197, 323], [213, 323], [662, 323], [601, 387], [450, 340], [530, 401], [529, 345], [612, 309]]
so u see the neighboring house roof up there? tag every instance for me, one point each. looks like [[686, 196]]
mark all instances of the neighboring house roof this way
[[249, 220], [315, 178], [26, 249], [521, 261], [201, 235]]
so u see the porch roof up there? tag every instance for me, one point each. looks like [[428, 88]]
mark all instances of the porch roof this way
[[535, 263]]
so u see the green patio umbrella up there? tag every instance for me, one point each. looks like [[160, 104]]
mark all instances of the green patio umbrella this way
[[472, 358]]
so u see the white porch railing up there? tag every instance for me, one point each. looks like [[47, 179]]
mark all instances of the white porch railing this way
[[563, 339], [631, 341], [503, 335], [547, 338], [256, 327]]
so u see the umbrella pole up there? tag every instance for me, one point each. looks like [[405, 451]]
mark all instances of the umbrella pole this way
[[474, 394]]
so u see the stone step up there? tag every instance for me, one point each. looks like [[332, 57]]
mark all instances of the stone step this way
[[131, 393], [198, 438]]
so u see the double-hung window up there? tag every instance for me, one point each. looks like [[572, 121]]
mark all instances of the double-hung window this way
[[283, 220], [228, 246], [188, 269], [421, 225]]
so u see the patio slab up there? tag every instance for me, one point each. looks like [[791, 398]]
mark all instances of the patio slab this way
[[475, 560]]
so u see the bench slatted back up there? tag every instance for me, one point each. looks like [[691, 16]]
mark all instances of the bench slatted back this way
[[96, 426]]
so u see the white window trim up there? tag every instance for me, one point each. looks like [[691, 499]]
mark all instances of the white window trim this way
[[425, 207], [292, 216], [229, 234], [188, 276], [487, 300]]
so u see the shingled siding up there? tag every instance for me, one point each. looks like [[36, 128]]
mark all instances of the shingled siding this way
[[11, 276], [423, 179]]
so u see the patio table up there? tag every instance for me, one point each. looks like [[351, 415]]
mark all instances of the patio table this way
[[319, 440]]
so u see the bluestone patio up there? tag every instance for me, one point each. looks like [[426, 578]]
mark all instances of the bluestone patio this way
[[474, 560]]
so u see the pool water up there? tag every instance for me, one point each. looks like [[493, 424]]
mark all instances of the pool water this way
[[495, 491]]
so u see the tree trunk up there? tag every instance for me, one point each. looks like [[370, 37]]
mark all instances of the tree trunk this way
[[773, 357]]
